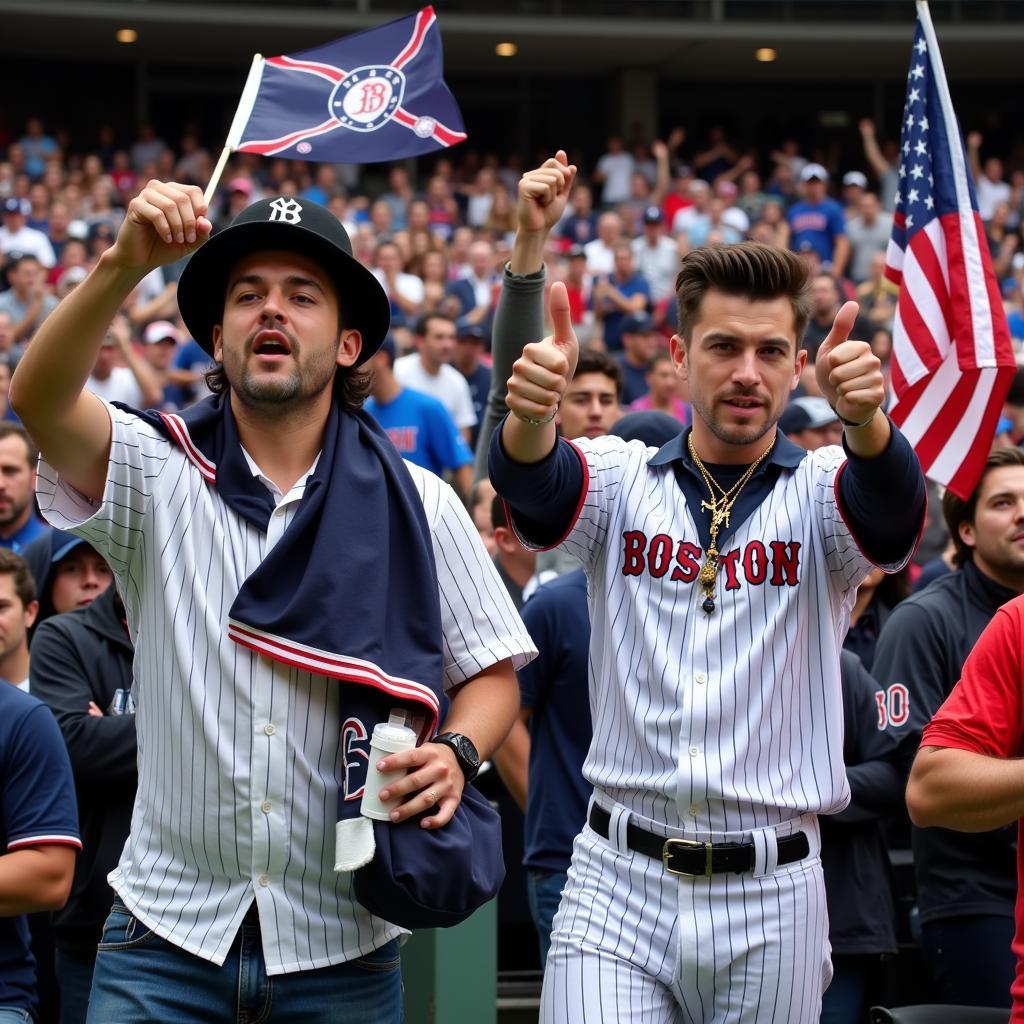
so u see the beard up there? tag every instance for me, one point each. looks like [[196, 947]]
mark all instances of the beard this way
[[737, 433], [276, 391]]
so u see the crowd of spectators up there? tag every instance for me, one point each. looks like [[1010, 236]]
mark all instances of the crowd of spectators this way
[[438, 243]]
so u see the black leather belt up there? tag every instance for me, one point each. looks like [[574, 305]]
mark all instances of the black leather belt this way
[[694, 858]]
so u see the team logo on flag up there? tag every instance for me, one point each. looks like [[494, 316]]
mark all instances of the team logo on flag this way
[[285, 210], [374, 96], [367, 98]]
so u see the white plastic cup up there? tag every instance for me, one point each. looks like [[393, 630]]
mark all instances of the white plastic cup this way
[[388, 738]]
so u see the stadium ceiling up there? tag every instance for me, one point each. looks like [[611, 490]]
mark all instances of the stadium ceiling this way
[[228, 33]]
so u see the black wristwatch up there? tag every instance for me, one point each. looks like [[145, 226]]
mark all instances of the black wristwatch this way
[[465, 752]]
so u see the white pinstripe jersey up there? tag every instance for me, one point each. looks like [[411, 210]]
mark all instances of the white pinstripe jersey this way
[[724, 722], [239, 756]]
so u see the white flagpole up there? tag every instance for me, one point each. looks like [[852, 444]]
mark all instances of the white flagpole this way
[[238, 123]]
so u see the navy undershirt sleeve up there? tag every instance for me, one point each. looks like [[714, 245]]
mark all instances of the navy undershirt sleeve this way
[[543, 495], [883, 500]]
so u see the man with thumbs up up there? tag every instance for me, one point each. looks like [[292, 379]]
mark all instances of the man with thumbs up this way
[[721, 573]]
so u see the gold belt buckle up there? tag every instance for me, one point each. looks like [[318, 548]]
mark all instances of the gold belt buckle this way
[[687, 844]]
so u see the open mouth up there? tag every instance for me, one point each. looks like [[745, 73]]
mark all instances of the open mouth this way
[[271, 343]]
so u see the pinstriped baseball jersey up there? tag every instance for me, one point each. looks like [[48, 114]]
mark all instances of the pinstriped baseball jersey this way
[[240, 756], [725, 722]]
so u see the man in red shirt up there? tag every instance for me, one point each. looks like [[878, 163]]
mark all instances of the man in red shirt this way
[[968, 774]]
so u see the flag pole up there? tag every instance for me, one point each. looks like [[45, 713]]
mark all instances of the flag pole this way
[[238, 123]]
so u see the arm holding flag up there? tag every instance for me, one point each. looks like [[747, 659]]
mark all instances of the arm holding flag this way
[[69, 424]]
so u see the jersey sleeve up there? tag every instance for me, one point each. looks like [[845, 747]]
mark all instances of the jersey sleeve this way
[[847, 562], [113, 525], [910, 663], [38, 793], [985, 712], [610, 465], [480, 624]]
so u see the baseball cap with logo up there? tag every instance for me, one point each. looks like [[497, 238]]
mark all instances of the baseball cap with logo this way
[[806, 413], [813, 172], [283, 223], [855, 178], [653, 215], [12, 204]]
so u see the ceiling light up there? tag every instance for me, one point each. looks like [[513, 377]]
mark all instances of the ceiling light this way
[[506, 49], [126, 35], [765, 55]]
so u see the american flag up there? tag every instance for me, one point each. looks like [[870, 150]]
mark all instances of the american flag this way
[[952, 360]]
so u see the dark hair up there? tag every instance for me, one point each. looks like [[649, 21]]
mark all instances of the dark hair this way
[[594, 360], [956, 511], [14, 430], [661, 356], [499, 517], [751, 269], [420, 330], [16, 566]]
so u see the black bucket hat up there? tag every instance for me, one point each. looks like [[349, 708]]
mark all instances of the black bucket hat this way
[[293, 225]]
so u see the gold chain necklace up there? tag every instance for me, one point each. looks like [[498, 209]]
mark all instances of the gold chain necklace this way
[[719, 507]]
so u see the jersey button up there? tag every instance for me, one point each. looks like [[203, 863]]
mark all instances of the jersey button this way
[[269, 729], [280, 510], [264, 880], [694, 810], [694, 751], [700, 677], [266, 807]]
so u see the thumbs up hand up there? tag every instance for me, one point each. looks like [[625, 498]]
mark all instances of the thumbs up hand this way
[[542, 373], [848, 372]]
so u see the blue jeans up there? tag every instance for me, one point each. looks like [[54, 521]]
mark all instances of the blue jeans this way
[[544, 891], [141, 977], [74, 976], [14, 1015], [846, 999], [970, 959]]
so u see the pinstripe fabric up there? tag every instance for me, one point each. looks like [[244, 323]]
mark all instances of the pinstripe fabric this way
[[239, 756], [724, 722], [632, 944], [711, 727]]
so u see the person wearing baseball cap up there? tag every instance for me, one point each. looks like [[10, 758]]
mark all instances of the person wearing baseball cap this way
[[811, 423], [819, 220], [17, 236], [656, 256], [291, 584]]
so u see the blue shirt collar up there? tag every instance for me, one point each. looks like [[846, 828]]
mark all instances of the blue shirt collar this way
[[785, 454]]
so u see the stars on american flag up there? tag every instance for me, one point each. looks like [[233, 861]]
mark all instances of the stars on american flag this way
[[915, 197]]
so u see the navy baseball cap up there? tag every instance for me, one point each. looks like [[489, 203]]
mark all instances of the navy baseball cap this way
[[637, 323], [434, 878], [654, 428], [807, 413], [474, 331], [12, 204], [293, 225], [653, 215]]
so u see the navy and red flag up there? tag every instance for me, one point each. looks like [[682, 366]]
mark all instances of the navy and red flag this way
[[952, 360], [373, 96]]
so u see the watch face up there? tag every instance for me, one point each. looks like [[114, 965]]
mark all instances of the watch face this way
[[466, 751]]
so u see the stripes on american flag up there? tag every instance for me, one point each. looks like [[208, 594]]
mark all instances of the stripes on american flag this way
[[952, 359]]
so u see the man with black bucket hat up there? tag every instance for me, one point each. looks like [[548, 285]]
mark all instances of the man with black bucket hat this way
[[290, 585]]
